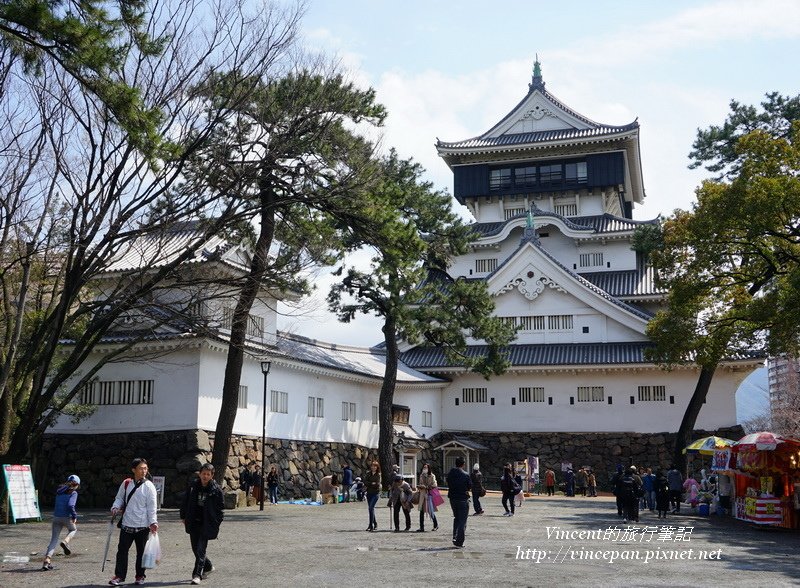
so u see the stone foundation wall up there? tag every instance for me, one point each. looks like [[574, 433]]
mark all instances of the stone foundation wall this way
[[102, 461], [601, 451]]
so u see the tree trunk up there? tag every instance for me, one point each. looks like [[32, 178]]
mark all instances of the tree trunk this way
[[235, 360], [684, 436], [386, 430]]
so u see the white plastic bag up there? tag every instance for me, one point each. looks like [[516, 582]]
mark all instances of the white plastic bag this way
[[152, 552]]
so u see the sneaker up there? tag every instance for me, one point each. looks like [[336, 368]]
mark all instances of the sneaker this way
[[207, 572], [139, 580], [196, 580], [67, 550], [116, 581], [46, 567]]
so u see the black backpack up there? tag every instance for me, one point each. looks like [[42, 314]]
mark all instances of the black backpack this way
[[627, 487]]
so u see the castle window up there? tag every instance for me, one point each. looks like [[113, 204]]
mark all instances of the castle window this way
[[279, 402], [374, 415], [525, 177], [474, 394], [531, 323], [349, 411], [559, 322], [242, 397], [535, 394], [485, 265], [427, 418], [591, 260], [500, 179], [512, 212], [575, 173], [316, 407], [652, 393], [566, 209], [550, 174], [118, 392], [591, 393]]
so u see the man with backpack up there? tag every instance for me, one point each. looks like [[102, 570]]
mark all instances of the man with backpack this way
[[628, 491]]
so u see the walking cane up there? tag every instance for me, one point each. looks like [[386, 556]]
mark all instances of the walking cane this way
[[108, 541], [391, 509]]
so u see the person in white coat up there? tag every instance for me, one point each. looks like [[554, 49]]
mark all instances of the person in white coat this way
[[136, 501]]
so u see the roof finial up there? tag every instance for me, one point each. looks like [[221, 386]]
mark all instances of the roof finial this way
[[536, 82], [530, 233]]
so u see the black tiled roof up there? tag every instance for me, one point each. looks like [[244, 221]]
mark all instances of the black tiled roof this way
[[539, 137], [539, 354], [600, 223], [637, 282]]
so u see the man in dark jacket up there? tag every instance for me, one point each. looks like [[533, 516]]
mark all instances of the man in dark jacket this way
[[202, 514], [347, 481], [459, 485], [476, 477]]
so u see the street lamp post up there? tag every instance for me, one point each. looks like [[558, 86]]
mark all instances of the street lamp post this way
[[265, 365]]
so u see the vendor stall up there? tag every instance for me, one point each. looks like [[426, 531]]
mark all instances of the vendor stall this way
[[766, 469]]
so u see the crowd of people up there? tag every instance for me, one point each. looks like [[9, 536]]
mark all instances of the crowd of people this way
[[135, 506]]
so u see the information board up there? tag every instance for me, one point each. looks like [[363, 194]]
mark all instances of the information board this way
[[160, 482], [21, 492]]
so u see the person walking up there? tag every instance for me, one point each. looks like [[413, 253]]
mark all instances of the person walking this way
[[649, 487], [615, 481], [372, 484], [201, 514], [661, 486], [426, 481], [509, 488], [458, 487], [629, 489], [246, 483], [347, 481], [591, 484], [550, 482], [136, 500], [400, 498], [256, 483], [273, 481], [478, 491], [569, 478], [64, 515], [675, 479], [519, 497]]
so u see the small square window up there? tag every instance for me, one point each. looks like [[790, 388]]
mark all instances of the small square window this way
[[585, 329]]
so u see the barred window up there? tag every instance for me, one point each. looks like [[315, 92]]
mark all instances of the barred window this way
[[255, 326], [591, 260], [569, 209], [652, 393], [242, 397], [512, 212], [118, 392], [427, 418], [559, 322], [535, 394], [279, 402], [315, 407], [531, 323], [474, 394], [591, 394], [349, 411], [485, 265], [374, 415]]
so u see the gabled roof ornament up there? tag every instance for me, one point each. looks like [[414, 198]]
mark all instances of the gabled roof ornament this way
[[536, 81]]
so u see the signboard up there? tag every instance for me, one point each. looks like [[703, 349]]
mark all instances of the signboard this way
[[21, 492], [721, 459], [160, 482]]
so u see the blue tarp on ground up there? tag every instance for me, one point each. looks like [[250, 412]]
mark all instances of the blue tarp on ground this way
[[308, 502]]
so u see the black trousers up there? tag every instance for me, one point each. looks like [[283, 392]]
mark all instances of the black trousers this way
[[199, 545], [460, 516], [508, 498], [124, 546], [675, 499], [397, 508]]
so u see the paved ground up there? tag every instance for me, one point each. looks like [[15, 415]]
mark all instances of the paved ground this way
[[327, 546]]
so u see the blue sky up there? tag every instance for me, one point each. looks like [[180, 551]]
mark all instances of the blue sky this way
[[452, 69]]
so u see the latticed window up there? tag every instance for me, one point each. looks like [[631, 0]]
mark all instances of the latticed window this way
[[559, 322], [374, 415], [591, 394], [279, 402], [591, 260], [500, 179], [427, 418], [512, 212], [118, 392], [652, 393], [531, 323], [242, 397], [486, 265], [474, 394], [531, 394], [575, 173], [316, 407], [566, 209], [525, 177], [349, 411]]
